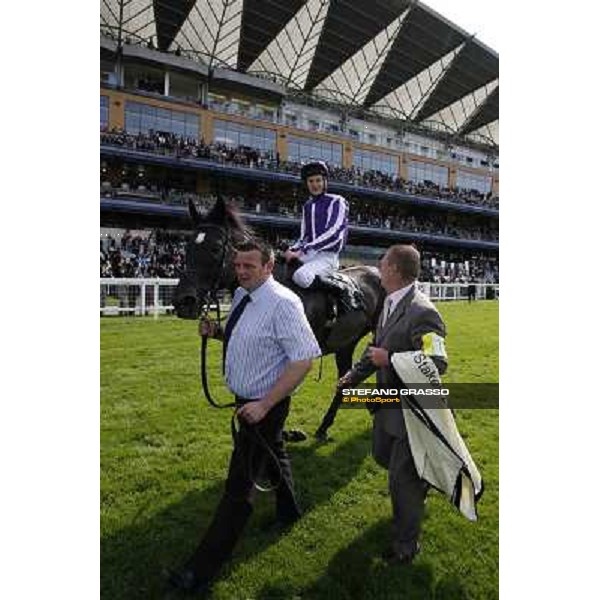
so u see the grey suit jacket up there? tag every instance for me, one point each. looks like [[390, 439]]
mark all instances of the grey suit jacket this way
[[413, 317]]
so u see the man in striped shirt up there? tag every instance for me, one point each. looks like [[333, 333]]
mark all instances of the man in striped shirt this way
[[268, 350], [323, 231]]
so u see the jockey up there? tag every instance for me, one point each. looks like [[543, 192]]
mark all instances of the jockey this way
[[323, 233]]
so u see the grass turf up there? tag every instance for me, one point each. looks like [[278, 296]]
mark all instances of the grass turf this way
[[164, 456]]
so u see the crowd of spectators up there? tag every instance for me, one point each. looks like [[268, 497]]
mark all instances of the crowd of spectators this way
[[188, 147], [160, 253], [363, 212], [142, 255], [459, 267], [181, 147]]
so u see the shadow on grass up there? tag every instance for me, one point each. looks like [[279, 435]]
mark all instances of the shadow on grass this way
[[133, 559], [357, 573]]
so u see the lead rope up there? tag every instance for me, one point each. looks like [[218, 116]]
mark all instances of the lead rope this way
[[320, 369]]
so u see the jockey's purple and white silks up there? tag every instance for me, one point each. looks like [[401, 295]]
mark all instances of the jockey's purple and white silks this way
[[324, 224]]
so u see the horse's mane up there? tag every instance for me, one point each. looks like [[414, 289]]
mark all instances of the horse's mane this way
[[229, 215]]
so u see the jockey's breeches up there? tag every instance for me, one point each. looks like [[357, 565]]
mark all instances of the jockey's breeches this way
[[315, 263]]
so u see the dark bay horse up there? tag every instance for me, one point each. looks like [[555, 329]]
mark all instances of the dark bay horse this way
[[209, 267]]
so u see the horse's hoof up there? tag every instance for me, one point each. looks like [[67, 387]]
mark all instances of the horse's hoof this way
[[321, 436]]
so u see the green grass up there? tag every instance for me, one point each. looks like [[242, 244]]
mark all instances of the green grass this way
[[164, 455]]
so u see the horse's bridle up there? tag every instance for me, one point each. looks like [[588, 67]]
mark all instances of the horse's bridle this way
[[211, 295]]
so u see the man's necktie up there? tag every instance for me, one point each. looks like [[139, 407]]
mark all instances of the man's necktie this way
[[388, 309], [231, 323]]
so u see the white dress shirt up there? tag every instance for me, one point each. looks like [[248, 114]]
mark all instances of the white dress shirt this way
[[391, 301], [271, 332]]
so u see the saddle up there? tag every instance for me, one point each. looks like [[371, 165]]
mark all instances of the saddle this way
[[342, 292], [344, 300], [345, 292]]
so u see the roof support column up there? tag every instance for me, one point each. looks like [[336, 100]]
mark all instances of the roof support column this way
[[495, 185], [281, 146], [207, 127], [203, 94], [347, 155], [119, 70], [403, 167], [452, 174]]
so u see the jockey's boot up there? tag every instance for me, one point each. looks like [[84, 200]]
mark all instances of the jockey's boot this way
[[332, 294]]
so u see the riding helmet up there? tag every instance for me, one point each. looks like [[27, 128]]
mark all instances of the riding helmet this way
[[317, 167]]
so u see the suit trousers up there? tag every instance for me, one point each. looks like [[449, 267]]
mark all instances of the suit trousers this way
[[248, 459], [407, 489]]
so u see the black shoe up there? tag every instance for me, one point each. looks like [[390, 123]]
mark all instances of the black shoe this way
[[294, 435], [186, 581], [392, 557], [280, 524]]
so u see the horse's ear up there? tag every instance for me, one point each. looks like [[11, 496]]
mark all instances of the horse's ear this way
[[217, 214], [194, 214]]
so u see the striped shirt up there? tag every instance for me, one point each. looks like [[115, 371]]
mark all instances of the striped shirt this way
[[324, 224], [271, 332]]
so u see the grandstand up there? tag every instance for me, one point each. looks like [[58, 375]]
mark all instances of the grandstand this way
[[202, 99], [230, 97]]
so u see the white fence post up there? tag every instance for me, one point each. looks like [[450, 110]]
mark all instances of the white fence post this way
[[156, 285], [143, 299]]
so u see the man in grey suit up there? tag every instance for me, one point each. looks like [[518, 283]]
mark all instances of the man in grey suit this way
[[407, 318]]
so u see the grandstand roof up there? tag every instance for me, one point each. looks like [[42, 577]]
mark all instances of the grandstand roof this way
[[396, 58]]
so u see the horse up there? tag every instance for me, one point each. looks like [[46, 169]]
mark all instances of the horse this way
[[209, 268]]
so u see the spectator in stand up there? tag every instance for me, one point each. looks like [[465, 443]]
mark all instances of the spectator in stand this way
[[162, 254], [169, 143]]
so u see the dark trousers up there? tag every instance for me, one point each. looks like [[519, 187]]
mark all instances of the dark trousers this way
[[407, 490], [249, 459]]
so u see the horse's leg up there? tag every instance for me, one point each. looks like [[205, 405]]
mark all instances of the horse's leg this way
[[343, 361]]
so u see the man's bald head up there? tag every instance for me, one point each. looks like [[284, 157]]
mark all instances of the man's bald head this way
[[400, 266]]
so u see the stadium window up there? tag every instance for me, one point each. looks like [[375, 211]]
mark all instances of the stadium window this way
[[469, 159], [145, 79], [142, 118], [313, 125], [103, 112], [107, 73], [216, 102], [291, 120], [367, 160], [472, 181], [240, 107], [302, 149], [237, 134], [184, 87], [418, 172], [353, 133], [265, 113]]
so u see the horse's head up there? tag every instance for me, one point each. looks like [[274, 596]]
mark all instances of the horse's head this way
[[208, 258]]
